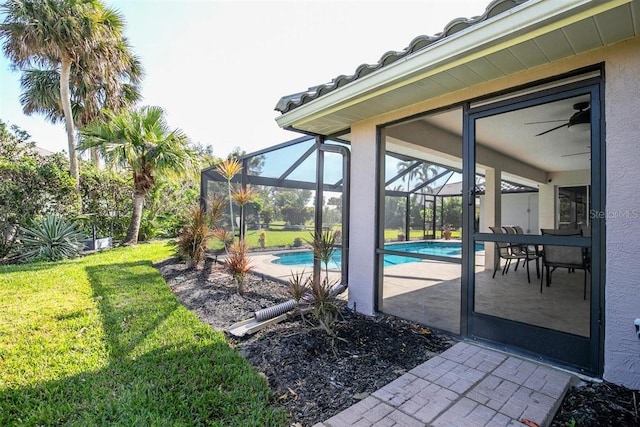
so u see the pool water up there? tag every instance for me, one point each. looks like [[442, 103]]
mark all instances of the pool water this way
[[447, 249]]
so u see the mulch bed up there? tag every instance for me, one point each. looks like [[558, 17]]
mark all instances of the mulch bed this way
[[314, 377]]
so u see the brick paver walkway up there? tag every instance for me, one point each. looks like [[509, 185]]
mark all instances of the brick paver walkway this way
[[467, 385]]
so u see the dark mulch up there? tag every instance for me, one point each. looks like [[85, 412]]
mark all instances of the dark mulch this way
[[314, 377], [599, 404]]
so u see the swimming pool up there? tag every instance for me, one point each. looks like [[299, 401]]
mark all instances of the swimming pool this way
[[447, 249]]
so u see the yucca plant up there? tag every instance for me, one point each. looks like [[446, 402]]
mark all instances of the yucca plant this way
[[192, 240], [52, 239], [237, 264]]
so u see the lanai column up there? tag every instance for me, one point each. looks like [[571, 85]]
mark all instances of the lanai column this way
[[492, 210], [546, 206], [363, 219]]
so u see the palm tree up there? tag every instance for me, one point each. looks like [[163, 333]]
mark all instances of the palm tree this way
[[59, 34], [93, 89], [141, 142]]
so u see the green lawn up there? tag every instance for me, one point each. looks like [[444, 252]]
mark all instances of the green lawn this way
[[103, 341]]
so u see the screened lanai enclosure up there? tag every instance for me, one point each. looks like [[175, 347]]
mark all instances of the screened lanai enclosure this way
[[301, 187]]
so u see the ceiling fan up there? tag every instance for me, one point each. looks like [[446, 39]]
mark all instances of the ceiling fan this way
[[579, 154], [581, 116]]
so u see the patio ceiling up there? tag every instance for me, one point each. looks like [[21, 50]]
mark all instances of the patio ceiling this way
[[521, 36]]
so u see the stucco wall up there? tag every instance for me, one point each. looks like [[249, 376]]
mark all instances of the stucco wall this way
[[622, 281], [362, 222], [622, 291]]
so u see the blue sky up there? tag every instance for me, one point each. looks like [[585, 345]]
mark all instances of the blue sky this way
[[219, 67]]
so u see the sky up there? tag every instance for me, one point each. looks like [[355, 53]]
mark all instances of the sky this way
[[218, 68]]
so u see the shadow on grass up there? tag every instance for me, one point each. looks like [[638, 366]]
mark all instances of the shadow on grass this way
[[164, 367]]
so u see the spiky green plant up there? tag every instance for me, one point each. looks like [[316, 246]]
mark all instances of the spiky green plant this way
[[323, 244], [299, 289], [52, 239], [192, 240], [237, 264], [315, 290], [325, 307]]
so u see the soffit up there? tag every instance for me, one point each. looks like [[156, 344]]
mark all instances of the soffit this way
[[597, 31]]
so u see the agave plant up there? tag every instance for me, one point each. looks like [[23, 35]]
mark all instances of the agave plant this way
[[52, 239]]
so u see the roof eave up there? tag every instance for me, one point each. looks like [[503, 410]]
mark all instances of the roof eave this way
[[509, 28]]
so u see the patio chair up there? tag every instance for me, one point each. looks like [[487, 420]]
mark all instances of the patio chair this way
[[504, 251], [532, 251], [524, 252], [570, 257]]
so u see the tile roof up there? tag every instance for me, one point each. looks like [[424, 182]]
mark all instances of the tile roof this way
[[291, 102]]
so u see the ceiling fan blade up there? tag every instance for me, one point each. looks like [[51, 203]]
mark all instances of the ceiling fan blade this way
[[544, 121], [552, 129], [575, 154]]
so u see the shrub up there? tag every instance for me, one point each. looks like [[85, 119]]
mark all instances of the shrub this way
[[262, 239], [51, 239], [237, 264], [318, 290], [192, 241], [297, 242]]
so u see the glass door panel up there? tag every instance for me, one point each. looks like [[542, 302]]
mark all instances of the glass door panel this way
[[421, 256], [531, 283]]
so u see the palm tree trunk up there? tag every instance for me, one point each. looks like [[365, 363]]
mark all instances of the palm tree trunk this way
[[65, 99], [136, 218]]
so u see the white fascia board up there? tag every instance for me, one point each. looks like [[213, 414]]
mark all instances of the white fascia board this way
[[507, 29]]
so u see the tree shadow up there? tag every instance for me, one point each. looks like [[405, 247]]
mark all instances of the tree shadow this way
[[163, 367], [129, 308], [162, 387]]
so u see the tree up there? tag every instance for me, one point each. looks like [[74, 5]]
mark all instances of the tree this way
[[32, 185], [113, 84], [140, 141], [58, 34]]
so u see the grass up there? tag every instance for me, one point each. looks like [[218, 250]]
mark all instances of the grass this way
[[275, 238], [102, 340], [279, 238]]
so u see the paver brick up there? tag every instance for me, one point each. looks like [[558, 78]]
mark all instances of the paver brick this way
[[466, 385], [402, 419], [463, 407], [481, 415], [378, 412]]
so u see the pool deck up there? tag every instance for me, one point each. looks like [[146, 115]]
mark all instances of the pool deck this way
[[465, 386]]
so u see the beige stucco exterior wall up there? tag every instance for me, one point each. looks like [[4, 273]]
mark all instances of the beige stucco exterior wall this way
[[622, 103], [622, 291]]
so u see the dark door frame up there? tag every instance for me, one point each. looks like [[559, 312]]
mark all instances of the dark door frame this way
[[579, 353]]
